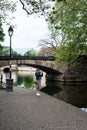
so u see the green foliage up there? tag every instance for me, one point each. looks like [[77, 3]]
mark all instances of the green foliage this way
[[6, 7], [70, 19], [31, 6], [1, 32], [66, 55], [5, 51], [41, 7], [31, 52]]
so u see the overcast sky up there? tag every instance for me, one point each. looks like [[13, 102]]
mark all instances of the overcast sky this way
[[28, 31]]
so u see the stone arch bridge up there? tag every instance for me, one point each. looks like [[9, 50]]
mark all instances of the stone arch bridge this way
[[46, 64]]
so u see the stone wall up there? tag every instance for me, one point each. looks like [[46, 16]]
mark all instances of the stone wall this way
[[74, 74]]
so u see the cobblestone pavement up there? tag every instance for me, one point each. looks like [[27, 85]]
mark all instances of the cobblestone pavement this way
[[23, 110]]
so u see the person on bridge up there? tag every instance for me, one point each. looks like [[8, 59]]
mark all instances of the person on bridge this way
[[38, 75]]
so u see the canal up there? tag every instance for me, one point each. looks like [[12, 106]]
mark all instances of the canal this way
[[24, 77], [75, 94]]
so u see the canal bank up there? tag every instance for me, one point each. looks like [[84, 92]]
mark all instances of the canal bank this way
[[69, 74], [23, 110]]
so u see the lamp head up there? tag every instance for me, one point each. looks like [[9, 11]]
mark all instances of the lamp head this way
[[10, 31]]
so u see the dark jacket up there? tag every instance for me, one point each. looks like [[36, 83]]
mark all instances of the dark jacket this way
[[38, 75]]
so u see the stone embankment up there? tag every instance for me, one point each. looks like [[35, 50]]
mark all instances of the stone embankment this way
[[69, 74]]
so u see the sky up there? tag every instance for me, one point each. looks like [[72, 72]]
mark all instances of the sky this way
[[28, 32]]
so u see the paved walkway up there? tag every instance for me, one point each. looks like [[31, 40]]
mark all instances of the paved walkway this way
[[23, 110]]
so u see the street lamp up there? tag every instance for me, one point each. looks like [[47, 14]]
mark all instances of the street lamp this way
[[10, 32], [9, 82]]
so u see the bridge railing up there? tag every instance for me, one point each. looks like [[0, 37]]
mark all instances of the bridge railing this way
[[51, 58]]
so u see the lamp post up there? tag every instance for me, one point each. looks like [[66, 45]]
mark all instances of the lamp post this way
[[9, 82], [10, 32]]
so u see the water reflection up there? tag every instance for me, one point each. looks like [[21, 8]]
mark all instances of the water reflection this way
[[71, 93], [84, 109], [23, 78], [75, 94], [26, 82]]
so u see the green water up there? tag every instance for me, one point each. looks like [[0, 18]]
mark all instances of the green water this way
[[26, 82]]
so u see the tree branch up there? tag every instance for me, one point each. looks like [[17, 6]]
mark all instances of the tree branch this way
[[29, 13]]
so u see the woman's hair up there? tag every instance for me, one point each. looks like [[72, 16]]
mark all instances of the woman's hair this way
[[38, 69]]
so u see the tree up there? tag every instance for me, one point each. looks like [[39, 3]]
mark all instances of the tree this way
[[69, 18], [1, 33], [5, 51], [41, 7], [5, 7], [31, 52], [46, 51], [1, 36], [53, 40]]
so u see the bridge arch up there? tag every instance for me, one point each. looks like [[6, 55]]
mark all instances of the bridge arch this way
[[43, 68], [45, 65]]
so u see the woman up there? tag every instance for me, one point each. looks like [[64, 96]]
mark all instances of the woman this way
[[38, 75]]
